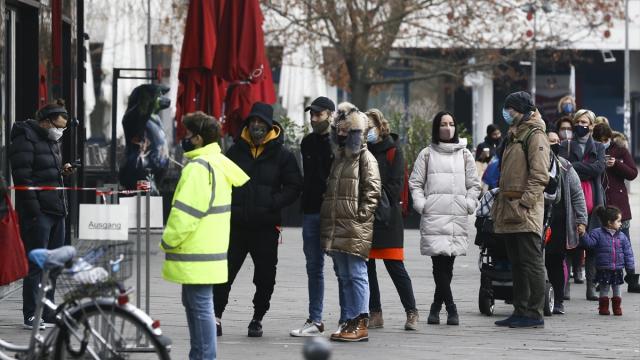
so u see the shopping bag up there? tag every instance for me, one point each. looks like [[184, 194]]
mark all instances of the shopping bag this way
[[13, 261]]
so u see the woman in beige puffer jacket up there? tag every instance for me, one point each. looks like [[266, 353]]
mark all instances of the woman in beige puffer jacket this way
[[445, 188], [346, 219]]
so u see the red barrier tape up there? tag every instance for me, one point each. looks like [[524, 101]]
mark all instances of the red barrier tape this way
[[59, 188]]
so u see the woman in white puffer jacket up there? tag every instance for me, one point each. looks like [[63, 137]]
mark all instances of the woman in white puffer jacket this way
[[445, 188]]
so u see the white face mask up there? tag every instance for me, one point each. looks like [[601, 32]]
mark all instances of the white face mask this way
[[55, 133]]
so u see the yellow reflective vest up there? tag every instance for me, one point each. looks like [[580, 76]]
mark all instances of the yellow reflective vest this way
[[196, 238]]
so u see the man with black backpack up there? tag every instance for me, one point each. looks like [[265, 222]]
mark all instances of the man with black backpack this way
[[518, 210]]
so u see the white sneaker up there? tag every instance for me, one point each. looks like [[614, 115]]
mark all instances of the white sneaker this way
[[339, 329], [309, 329]]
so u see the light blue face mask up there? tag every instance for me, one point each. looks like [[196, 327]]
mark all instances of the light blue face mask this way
[[606, 144], [507, 116], [372, 135]]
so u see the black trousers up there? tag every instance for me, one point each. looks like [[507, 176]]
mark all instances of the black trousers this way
[[400, 279], [442, 275], [554, 262], [45, 231], [262, 245]]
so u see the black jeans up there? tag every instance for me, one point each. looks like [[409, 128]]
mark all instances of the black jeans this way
[[45, 231], [554, 262], [262, 245], [400, 279], [442, 275]]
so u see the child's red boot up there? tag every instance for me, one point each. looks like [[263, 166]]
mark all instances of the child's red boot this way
[[603, 308]]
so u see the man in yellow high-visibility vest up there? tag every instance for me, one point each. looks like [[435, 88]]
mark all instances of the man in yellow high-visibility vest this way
[[196, 237]]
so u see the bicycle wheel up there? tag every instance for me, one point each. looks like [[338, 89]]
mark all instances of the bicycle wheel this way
[[107, 331]]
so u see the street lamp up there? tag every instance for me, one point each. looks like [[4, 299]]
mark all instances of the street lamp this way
[[627, 88], [532, 8]]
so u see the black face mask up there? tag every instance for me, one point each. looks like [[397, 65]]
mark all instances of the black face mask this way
[[187, 145], [342, 140], [555, 148], [581, 131]]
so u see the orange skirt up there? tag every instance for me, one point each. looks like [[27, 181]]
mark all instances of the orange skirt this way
[[387, 254]]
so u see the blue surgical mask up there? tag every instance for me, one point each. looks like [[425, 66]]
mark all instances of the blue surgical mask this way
[[606, 144], [567, 108], [507, 116], [372, 135]]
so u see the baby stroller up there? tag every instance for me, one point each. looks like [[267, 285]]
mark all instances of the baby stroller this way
[[495, 269]]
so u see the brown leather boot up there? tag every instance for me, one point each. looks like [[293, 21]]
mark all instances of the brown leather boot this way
[[616, 301], [355, 330], [603, 308], [375, 320]]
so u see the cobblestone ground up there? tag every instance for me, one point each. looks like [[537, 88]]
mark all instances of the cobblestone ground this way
[[579, 334]]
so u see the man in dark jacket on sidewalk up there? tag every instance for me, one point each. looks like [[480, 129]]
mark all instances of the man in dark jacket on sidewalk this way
[[518, 210], [317, 156], [36, 161], [256, 208]]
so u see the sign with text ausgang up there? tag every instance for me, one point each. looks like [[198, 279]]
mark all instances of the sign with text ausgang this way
[[103, 222]]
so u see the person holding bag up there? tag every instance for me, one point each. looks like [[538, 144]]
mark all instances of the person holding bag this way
[[587, 158], [445, 188]]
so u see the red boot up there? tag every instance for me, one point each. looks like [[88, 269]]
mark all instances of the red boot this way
[[616, 301], [603, 309]]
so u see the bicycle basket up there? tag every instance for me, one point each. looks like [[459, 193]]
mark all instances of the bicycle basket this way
[[97, 254]]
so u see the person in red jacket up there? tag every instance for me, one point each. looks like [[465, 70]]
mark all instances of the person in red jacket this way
[[620, 167]]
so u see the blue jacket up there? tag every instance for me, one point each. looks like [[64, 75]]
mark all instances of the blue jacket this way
[[613, 252]]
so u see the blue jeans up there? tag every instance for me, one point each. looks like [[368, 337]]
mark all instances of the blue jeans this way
[[315, 264], [352, 275], [198, 303]]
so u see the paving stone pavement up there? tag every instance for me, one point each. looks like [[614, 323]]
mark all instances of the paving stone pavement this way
[[579, 334]]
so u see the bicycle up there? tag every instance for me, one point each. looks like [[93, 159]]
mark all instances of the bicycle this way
[[95, 319]]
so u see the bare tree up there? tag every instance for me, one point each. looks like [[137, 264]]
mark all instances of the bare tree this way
[[366, 38]]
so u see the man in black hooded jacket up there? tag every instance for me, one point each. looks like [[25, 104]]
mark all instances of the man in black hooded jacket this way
[[275, 182]]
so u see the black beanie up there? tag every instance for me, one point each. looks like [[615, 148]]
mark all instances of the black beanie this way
[[519, 101]]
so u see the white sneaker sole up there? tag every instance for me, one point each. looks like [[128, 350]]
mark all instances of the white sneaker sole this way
[[301, 334]]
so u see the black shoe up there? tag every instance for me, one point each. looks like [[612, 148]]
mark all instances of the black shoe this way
[[452, 315], [218, 327], [434, 314], [558, 308], [577, 276], [506, 322], [527, 323], [255, 328]]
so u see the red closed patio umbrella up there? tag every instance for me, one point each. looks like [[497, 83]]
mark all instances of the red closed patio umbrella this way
[[241, 61], [199, 88]]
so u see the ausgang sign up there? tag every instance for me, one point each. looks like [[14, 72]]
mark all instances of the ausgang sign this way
[[103, 222]]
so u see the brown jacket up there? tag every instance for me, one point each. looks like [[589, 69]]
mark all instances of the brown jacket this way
[[519, 206], [347, 213]]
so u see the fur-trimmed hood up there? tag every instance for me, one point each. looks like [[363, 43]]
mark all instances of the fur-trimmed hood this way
[[620, 140], [357, 120]]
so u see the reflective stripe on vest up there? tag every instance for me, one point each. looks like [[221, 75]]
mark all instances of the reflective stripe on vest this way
[[220, 209], [195, 257]]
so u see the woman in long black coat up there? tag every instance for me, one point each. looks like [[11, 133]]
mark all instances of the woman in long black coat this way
[[388, 232]]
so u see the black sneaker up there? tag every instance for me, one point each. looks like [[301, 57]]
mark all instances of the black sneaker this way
[[28, 324], [255, 328], [558, 309], [218, 327]]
